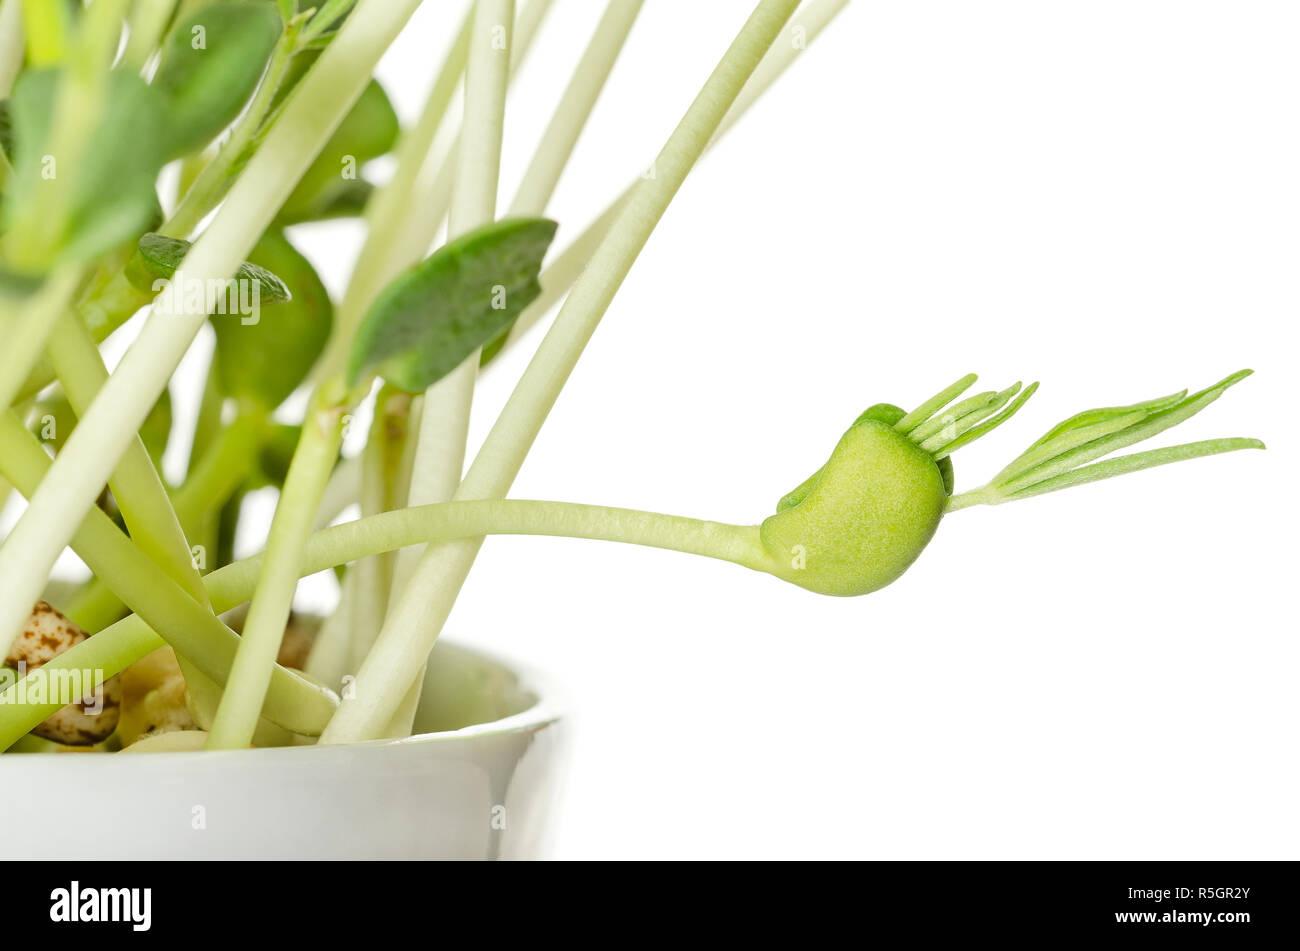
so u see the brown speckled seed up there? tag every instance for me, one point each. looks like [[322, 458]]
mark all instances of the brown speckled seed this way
[[46, 635]]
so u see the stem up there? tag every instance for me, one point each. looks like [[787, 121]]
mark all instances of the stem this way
[[208, 423], [574, 109], [12, 40], [213, 181], [102, 309], [444, 424], [47, 26], [374, 574], [26, 332], [343, 489], [390, 206], [565, 269], [149, 19], [115, 648], [415, 622], [222, 470], [556, 280], [403, 238], [250, 676], [160, 602], [75, 479], [135, 482]]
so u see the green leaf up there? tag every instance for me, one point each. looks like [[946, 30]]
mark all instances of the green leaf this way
[[1145, 428], [267, 360], [329, 17], [113, 195], [1091, 417], [348, 201], [274, 457], [1135, 462], [369, 130], [429, 320], [6, 129], [157, 257], [210, 68], [52, 420]]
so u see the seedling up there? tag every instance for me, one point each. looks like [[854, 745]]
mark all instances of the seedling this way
[[271, 110]]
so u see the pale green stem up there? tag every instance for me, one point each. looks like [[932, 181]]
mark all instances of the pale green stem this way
[[343, 489], [161, 603], [223, 469], [423, 182], [74, 481], [48, 28], [415, 622], [149, 19], [139, 490], [115, 648], [250, 675], [330, 657], [570, 117], [389, 206], [559, 276], [444, 425], [12, 41], [213, 181], [439, 459], [26, 330], [212, 483], [102, 309], [373, 574]]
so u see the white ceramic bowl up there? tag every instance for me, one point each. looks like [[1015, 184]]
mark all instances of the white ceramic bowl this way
[[478, 781]]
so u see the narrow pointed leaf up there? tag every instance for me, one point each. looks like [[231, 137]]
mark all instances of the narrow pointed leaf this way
[[1156, 423], [935, 403], [1092, 416], [988, 425], [940, 421], [1134, 463], [1068, 440]]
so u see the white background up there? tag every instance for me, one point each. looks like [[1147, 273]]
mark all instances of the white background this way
[[1102, 196]]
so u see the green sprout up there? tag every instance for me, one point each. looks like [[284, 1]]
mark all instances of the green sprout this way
[[271, 110]]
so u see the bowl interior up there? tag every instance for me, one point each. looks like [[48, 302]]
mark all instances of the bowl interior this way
[[465, 688]]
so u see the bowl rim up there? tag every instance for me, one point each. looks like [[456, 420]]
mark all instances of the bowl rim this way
[[547, 709]]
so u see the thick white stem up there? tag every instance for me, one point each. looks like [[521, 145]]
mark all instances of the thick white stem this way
[[440, 454]]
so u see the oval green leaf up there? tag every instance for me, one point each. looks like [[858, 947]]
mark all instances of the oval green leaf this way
[[157, 257], [428, 321], [369, 130], [210, 67], [266, 359], [113, 194]]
